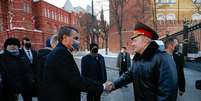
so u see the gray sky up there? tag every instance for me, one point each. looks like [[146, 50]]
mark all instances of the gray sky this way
[[98, 4]]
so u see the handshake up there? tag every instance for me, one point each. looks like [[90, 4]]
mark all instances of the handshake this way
[[108, 86]]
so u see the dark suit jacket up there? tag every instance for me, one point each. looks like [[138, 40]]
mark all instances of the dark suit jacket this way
[[119, 61], [179, 60], [94, 68], [33, 67], [16, 72], [62, 81], [1, 80]]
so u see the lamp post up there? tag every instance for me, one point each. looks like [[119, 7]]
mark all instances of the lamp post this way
[[96, 32], [93, 22], [92, 11], [185, 36]]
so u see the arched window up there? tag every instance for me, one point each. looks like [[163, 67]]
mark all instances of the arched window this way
[[48, 13], [52, 14], [160, 1], [45, 12], [171, 1], [160, 17], [171, 17], [196, 16], [166, 1]]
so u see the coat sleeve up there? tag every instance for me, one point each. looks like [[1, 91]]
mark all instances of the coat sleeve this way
[[118, 60], [69, 73], [124, 79], [129, 60], [83, 67], [181, 77], [104, 71], [167, 79]]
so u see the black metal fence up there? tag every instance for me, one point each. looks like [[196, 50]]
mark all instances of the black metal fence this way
[[189, 38]]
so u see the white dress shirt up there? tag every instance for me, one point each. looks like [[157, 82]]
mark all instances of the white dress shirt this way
[[29, 54]]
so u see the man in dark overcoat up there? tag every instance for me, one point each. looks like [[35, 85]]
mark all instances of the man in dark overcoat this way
[[42, 56], [93, 67], [170, 48], [153, 72], [18, 77], [123, 61], [62, 80], [31, 58]]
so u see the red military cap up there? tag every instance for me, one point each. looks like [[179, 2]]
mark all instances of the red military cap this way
[[142, 29]]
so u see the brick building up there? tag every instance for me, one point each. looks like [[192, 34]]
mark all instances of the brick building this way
[[133, 11], [34, 19], [165, 16]]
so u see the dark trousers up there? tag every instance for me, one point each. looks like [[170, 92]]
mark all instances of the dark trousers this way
[[123, 68], [93, 97], [27, 97]]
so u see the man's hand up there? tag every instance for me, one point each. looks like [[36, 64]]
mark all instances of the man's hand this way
[[108, 86]]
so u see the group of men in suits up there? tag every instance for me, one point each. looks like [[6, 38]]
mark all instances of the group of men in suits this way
[[19, 70]]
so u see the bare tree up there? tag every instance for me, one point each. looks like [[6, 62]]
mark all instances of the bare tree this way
[[197, 5], [105, 27], [117, 11], [90, 28], [85, 22]]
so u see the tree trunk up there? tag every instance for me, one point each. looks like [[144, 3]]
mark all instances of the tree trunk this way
[[92, 38], [121, 39], [106, 43]]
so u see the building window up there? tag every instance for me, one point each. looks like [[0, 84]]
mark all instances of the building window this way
[[73, 20], [48, 13], [26, 8], [52, 15], [45, 12], [55, 16], [171, 1], [171, 17], [196, 16], [166, 1], [64, 19], [67, 20], [59, 17], [160, 17], [161, 1]]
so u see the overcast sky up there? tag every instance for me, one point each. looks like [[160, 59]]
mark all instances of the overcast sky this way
[[60, 3], [98, 4]]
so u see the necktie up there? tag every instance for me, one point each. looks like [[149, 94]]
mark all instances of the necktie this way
[[29, 54]]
